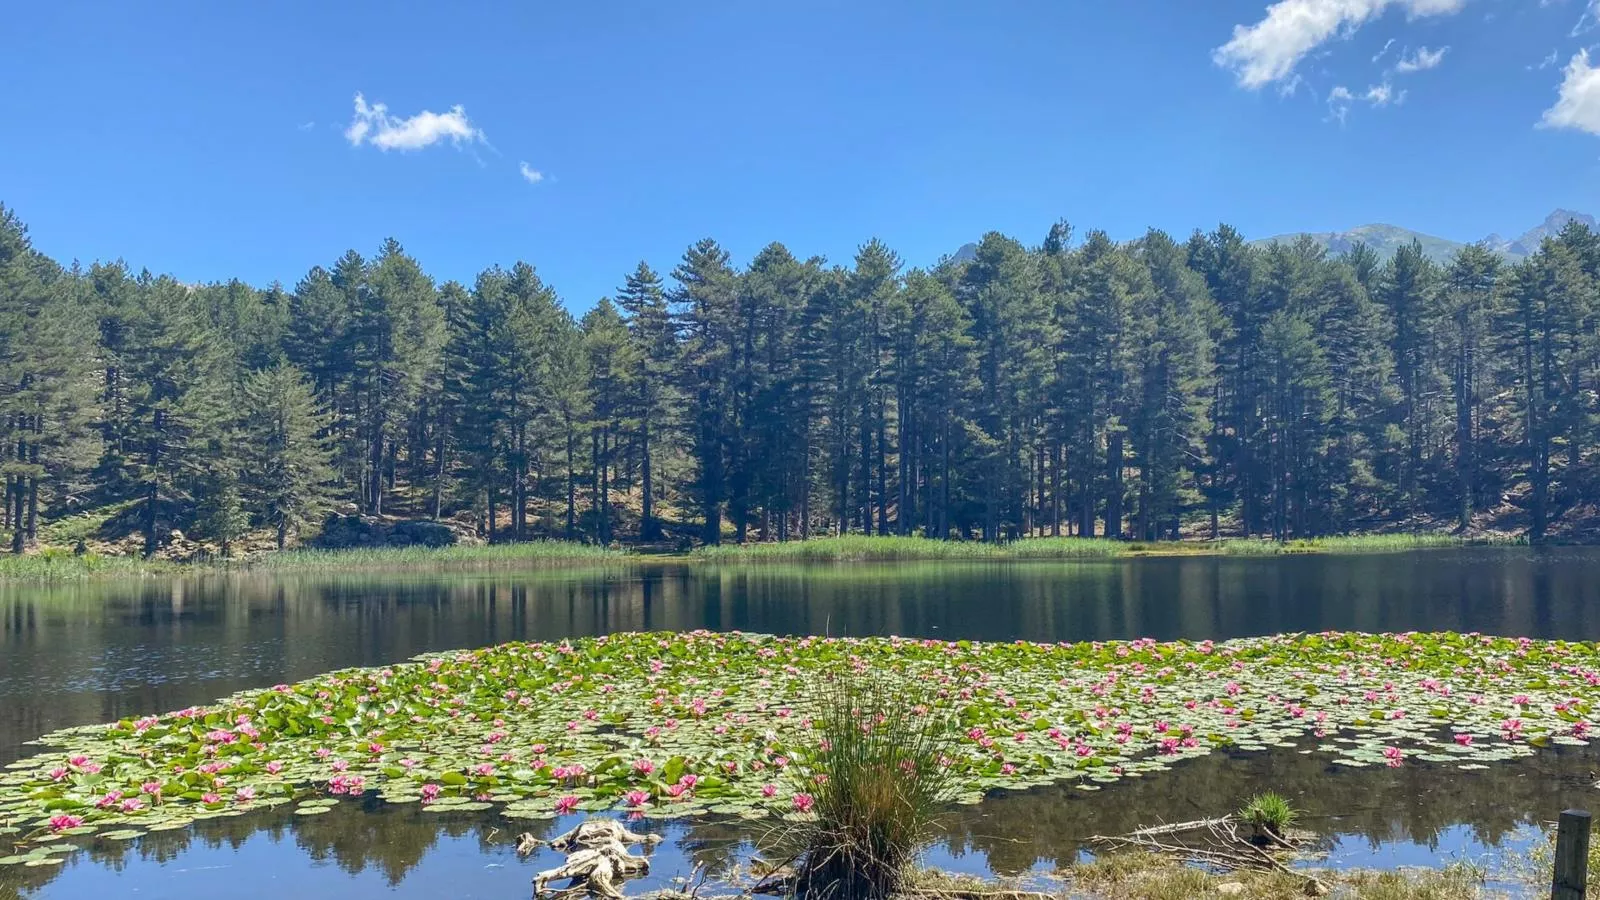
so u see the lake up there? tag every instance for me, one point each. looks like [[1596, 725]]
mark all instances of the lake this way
[[95, 651]]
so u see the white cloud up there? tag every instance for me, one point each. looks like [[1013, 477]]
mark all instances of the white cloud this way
[[373, 125], [1270, 49], [533, 176], [1381, 53], [1548, 61], [1341, 98], [1578, 103], [1420, 61]]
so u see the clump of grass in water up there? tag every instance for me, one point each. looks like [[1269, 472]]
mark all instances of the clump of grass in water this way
[[1269, 814], [877, 778]]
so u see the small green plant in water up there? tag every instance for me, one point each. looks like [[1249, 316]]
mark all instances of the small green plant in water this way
[[1269, 813], [878, 773]]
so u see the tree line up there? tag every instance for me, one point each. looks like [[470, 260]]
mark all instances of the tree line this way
[[1144, 389]]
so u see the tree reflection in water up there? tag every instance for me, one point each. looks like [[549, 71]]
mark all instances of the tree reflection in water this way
[[1009, 834]]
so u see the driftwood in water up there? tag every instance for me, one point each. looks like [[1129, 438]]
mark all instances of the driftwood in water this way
[[1219, 844], [597, 861]]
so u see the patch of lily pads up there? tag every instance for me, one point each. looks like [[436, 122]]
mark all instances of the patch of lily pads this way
[[668, 725]]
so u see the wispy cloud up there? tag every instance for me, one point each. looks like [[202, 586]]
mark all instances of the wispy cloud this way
[[1341, 98], [529, 173], [1589, 20], [1382, 53], [1548, 61], [1578, 99], [1420, 61], [372, 124], [1269, 50]]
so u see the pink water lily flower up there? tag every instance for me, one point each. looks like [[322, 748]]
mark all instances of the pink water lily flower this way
[[636, 798], [274, 767], [210, 798], [643, 766], [132, 804], [430, 793], [804, 802], [566, 805], [769, 790], [63, 822]]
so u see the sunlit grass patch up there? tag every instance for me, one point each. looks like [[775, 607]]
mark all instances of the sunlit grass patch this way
[[1153, 876]]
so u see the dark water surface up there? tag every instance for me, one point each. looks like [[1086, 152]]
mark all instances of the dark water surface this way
[[95, 651]]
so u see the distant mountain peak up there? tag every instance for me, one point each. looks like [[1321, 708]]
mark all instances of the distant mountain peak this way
[[1385, 239], [1528, 242]]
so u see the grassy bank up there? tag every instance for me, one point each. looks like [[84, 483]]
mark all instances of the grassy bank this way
[[861, 548], [1149, 876], [57, 565]]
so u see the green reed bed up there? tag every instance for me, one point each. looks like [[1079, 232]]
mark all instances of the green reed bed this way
[[1354, 543], [61, 565], [531, 554], [864, 548]]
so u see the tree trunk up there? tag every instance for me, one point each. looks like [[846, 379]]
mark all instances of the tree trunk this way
[[572, 488], [519, 486], [648, 529]]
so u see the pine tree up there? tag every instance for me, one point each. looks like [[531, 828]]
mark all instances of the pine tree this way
[[166, 362], [1468, 299], [651, 392], [288, 482], [706, 299], [609, 356]]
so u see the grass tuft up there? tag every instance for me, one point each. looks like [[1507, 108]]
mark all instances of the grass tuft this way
[[1269, 812], [877, 777]]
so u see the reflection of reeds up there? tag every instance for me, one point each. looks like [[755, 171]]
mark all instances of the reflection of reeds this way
[[877, 776]]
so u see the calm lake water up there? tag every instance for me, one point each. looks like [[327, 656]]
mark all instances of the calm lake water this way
[[91, 652]]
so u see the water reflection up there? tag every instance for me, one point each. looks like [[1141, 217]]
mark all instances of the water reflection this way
[[1419, 811], [95, 651]]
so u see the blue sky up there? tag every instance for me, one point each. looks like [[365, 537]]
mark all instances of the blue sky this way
[[214, 140]]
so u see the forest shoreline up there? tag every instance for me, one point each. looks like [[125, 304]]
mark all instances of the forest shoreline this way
[[57, 564]]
